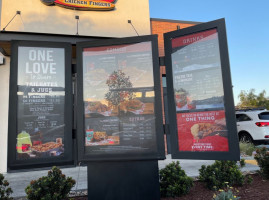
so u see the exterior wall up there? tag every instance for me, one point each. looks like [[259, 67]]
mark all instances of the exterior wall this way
[[37, 17], [159, 27], [4, 96]]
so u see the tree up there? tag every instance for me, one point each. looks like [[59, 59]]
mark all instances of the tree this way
[[119, 88], [250, 99]]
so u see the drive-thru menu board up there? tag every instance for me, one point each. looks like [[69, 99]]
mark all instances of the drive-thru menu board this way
[[40, 112], [41, 100], [198, 85], [119, 100], [198, 92]]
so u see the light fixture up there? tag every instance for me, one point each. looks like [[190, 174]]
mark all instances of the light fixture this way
[[77, 18], [2, 59], [17, 13], [130, 22]]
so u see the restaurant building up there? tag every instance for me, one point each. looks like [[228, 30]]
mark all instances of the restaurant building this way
[[27, 23]]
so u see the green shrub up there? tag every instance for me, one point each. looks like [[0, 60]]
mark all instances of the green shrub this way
[[174, 181], [246, 148], [242, 163], [262, 158], [54, 186], [218, 173], [5, 191]]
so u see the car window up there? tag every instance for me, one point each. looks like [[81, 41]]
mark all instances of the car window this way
[[264, 115], [242, 117], [237, 116]]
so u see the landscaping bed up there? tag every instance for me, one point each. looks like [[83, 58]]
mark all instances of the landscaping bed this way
[[258, 189]]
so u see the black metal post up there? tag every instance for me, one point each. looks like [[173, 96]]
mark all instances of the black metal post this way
[[132, 180]]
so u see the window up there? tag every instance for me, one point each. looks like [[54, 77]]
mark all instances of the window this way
[[242, 117], [264, 115]]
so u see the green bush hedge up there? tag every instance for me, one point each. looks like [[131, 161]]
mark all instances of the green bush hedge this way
[[5, 191], [173, 181], [262, 158], [219, 173], [54, 186]]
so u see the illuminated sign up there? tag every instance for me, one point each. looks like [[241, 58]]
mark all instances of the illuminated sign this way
[[82, 4]]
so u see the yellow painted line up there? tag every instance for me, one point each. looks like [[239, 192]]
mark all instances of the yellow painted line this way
[[252, 162]]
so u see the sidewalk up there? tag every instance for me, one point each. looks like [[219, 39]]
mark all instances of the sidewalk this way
[[18, 181]]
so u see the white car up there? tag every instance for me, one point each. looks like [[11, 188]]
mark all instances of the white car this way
[[253, 125]]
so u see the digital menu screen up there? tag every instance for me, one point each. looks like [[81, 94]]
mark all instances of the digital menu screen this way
[[40, 102], [118, 95], [197, 73], [198, 92]]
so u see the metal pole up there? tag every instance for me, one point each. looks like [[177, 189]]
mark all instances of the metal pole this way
[[17, 13]]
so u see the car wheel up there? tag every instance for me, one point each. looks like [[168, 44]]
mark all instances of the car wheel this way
[[245, 137]]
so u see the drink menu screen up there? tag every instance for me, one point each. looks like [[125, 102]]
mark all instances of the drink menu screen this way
[[197, 73], [198, 87], [118, 95], [40, 102]]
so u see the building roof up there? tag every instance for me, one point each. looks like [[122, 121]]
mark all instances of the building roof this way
[[174, 21]]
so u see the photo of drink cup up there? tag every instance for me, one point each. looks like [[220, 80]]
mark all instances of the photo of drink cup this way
[[59, 140]]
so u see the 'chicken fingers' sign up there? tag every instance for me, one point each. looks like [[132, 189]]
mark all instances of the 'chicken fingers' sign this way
[[82, 4]]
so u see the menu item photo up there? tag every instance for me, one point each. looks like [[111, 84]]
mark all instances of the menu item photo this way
[[202, 131], [98, 136], [97, 107], [101, 138], [183, 100], [133, 105]]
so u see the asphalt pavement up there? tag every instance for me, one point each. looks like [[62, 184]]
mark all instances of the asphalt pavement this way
[[19, 180]]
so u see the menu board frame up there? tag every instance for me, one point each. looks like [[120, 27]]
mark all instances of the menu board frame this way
[[67, 158], [160, 152], [233, 144]]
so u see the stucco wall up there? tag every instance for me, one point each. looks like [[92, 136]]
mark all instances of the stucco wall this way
[[37, 17], [4, 96]]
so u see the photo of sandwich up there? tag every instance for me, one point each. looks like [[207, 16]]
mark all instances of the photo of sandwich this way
[[202, 130], [97, 107]]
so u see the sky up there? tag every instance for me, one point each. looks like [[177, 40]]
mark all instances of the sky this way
[[247, 26]]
